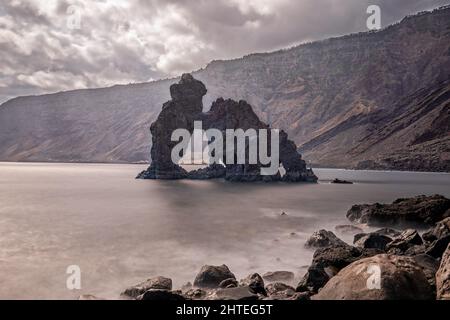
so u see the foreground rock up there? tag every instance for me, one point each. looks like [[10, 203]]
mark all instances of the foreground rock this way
[[212, 276], [372, 241], [407, 240], [419, 210], [400, 279], [327, 262], [160, 283], [438, 238], [324, 239], [443, 277], [255, 282]]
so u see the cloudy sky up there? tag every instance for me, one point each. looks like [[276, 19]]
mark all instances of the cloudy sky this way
[[53, 45]]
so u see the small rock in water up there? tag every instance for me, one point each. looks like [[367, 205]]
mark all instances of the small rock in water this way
[[255, 282], [339, 181], [229, 283]]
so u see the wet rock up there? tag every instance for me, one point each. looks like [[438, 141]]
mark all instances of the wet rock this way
[[422, 210], [276, 287], [255, 282], [236, 294], [339, 181], [229, 283], [401, 279], [429, 267], [439, 231], [161, 295], [348, 229], [212, 276], [443, 277], [323, 239], [161, 283], [214, 171], [438, 238], [279, 276], [373, 241], [327, 262], [406, 240], [195, 294]]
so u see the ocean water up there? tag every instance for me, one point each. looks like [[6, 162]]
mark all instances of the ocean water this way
[[121, 231]]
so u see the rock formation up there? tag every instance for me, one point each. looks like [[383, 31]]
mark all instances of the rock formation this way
[[185, 108]]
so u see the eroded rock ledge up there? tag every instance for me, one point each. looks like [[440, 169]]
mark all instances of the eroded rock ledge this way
[[185, 108]]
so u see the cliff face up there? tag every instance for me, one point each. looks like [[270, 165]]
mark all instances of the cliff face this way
[[328, 96]]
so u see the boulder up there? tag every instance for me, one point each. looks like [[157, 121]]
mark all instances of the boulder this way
[[324, 239], [400, 278], [405, 241], [195, 294], [229, 283], [423, 210], [285, 276], [443, 277], [212, 276], [373, 241], [438, 238], [255, 282], [161, 283], [429, 267], [327, 262], [161, 295], [276, 287]]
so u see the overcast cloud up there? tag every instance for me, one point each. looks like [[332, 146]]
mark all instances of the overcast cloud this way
[[124, 41]]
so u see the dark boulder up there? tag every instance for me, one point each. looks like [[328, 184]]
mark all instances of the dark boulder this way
[[438, 238], [373, 241], [421, 210], [212, 276], [324, 239], [255, 282], [160, 283], [405, 241], [327, 262], [276, 287], [339, 181]]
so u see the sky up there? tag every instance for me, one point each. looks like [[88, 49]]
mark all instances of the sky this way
[[56, 45]]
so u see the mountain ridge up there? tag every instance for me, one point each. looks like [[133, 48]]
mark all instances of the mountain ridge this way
[[306, 90]]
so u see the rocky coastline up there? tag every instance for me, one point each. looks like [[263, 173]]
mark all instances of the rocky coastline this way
[[387, 264]]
